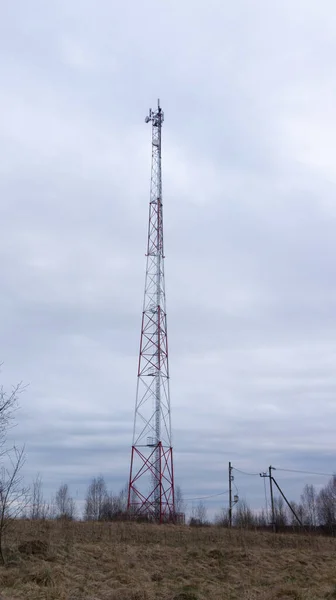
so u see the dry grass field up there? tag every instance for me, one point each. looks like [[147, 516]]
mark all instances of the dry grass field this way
[[124, 561]]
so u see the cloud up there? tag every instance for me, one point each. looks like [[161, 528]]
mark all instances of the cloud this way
[[249, 233]]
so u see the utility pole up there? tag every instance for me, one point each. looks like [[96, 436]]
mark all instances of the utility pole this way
[[272, 499], [269, 475], [272, 480], [230, 494], [151, 483], [235, 497]]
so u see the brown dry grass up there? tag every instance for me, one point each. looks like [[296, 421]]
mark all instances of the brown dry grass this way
[[98, 561]]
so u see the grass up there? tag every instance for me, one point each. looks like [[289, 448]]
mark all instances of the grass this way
[[125, 561]]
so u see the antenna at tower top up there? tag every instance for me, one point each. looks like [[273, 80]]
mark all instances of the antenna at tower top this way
[[155, 115]]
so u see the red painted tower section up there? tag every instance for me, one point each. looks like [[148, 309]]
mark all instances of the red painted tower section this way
[[151, 483]]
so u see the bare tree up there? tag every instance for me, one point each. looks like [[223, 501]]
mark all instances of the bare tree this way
[[261, 518], [115, 506], [111, 510], [65, 505], [222, 518], [243, 516], [326, 505], [37, 503], [8, 406], [280, 512], [95, 499], [309, 504], [299, 510], [199, 514], [180, 504], [14, 497], [50, 510], [122, 499]]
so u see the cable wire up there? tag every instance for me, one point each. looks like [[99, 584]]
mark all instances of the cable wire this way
[[258, 474], [244, 472], [289, 471], [211, 496], [304, 472]]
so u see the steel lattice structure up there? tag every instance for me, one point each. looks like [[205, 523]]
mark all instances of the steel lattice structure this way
[[151, 483]]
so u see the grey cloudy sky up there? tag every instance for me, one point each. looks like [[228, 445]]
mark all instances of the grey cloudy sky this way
[[248, 90]]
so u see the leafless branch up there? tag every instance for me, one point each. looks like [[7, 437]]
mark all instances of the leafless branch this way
[[14, 497]]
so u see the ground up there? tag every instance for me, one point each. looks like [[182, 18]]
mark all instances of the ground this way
[[124, 561]]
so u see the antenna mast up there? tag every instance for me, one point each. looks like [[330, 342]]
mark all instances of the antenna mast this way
[[151, 483]]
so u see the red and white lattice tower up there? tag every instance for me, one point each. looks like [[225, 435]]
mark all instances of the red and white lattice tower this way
[[151, 484]]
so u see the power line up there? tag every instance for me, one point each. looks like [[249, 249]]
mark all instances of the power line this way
[[210, 496], [244, 472], [304, 472], [289, 471]]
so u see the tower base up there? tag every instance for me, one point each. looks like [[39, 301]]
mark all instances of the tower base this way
[[153, 502]]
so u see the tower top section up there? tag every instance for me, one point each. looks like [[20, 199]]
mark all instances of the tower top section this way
[[155, 116]]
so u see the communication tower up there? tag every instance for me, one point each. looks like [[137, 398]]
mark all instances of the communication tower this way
[[151, 483]]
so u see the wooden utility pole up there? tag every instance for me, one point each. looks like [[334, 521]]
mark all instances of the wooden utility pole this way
[[272, 480], [230, 495], [272, 499]]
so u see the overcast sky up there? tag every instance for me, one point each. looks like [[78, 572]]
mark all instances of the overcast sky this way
[[249, 145]]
